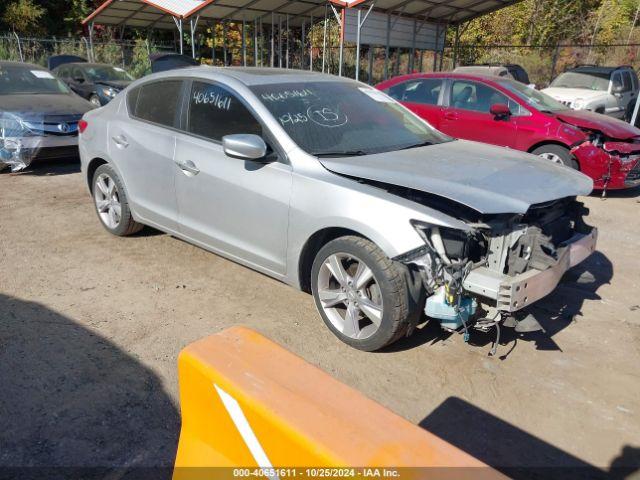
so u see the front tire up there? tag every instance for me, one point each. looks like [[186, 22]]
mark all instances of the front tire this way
[[556, 154], [361, 294], [112, 205], [95, 101]]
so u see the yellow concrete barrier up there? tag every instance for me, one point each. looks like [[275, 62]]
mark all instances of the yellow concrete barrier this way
[[247, 402]]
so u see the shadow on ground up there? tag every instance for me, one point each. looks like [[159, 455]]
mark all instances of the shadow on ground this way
[[514, 452], [73, 405], [49, 168], [555, 312]]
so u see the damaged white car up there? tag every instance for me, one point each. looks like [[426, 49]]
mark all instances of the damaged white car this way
[[331, 186]]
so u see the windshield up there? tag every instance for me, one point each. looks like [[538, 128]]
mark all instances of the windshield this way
[[100, 73], [538, 100], [23, 80], [586, 80], [343, 118]]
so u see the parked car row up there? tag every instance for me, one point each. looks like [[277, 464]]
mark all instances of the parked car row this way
[[334, 188]]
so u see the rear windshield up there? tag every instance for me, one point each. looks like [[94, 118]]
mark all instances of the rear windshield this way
[[23, 80], [344, 118]]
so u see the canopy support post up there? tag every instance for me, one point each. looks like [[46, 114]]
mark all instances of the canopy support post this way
[[386, 48], [455, 46], [311, 45], [92, 56], [287, 44], [244, 44], [193, 24], [324, 40], [361, 22], [255, 42], [224, 43], [178, 22], [273, 42], [303, 44], [341, 56]]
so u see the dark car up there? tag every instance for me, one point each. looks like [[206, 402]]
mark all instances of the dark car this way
[[39, 115], [97, 82], [162, 62]]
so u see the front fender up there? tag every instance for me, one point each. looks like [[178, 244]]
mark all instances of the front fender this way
[[383, 218]]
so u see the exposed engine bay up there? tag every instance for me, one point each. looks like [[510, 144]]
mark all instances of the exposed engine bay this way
[[484, 277]]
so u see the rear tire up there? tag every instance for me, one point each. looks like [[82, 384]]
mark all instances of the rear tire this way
[[111, 203], [557, 154], [368, 307]]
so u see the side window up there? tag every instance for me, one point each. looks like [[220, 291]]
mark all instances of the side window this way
[[478, 97], [156, 102], [425, 91], [62, 72], [215, 112], [626, 81], [77, 73], [616, 80], [132, 101]]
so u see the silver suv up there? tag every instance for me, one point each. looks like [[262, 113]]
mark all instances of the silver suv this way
[[609, 90]]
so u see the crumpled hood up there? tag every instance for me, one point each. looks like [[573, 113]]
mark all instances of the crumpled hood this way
[[572, 94], [36, 107], [611, 127], [486, 178], [117, 84]]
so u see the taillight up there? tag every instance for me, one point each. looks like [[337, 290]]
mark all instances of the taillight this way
[[82, 125]]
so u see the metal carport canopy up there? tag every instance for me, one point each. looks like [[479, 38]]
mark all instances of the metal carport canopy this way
[[160, 14]]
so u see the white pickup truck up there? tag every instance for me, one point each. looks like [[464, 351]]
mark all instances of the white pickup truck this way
[[609, 90]]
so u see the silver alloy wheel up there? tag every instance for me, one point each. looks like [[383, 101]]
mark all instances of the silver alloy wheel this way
[[350, 296], [107, 198], [552, 156]]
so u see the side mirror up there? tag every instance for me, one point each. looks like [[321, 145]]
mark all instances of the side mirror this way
[[500, 111], [617, 88], [244, 146]]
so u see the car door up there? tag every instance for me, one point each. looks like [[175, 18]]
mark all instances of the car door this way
[[467, 114], [235, 207], [422, 96], [142, 145]]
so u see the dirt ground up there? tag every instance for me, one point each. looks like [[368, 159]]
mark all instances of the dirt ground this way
[[91, 326]]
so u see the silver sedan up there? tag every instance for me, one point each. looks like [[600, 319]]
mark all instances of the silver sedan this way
[[333, 187]]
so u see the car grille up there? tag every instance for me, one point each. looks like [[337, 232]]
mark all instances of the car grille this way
[[633, 176], [66, 125]]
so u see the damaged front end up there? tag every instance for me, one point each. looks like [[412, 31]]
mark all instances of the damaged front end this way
[[15, 152], [612, 163], [483, 277]]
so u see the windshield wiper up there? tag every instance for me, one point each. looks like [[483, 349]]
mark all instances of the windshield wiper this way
[[346, 153], [417, 145]]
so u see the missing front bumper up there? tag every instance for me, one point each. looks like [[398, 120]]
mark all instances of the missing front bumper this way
[[514, 293]]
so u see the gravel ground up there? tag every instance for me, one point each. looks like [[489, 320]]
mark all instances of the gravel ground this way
[[91, 326]]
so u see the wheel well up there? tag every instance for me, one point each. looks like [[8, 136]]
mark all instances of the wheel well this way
[[551, 142], [93, 166], [311, 249]]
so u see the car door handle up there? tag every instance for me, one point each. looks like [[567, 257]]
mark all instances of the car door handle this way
[[451, 116], [188, 167], [120, 141]]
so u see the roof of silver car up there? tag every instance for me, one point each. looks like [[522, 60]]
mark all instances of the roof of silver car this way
[[263, 76]]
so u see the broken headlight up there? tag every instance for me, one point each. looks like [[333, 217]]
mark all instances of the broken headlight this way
[[452, 244]]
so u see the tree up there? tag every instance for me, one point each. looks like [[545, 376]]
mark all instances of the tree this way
[[23, 16]]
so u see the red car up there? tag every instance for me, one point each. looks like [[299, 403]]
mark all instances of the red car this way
[[507, 113]]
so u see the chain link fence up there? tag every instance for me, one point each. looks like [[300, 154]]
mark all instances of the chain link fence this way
[[131, 55], [542, 62]]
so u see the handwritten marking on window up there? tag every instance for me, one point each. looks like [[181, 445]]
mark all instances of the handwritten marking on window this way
[[293, 118], [286, 94], [215, 99], [327, 116]]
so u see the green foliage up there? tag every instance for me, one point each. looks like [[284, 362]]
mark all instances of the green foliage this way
[[23, 16]]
